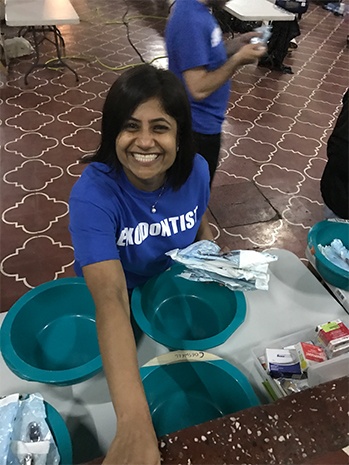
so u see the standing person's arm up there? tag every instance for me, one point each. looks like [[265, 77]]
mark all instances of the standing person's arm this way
[[201, 83], [135, 441], [232, 46]]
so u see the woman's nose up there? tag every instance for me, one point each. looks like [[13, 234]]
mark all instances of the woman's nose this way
[[145, 139]]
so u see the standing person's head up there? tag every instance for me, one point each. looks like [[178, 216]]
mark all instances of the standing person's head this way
[[129, 94]]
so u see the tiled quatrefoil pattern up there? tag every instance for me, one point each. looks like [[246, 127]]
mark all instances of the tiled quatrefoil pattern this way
[[266, 191]]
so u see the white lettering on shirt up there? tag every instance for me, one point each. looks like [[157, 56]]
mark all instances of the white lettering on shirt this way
[[216, 36], [166, 227], [141, 233], [155, 229]]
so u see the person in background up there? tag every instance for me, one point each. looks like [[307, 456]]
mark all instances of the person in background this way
[[144, 192], [198, 56], [282, 39], [334, 183], [279, 45]]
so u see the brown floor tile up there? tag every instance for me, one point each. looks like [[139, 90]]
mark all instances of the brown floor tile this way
[[239, 204]]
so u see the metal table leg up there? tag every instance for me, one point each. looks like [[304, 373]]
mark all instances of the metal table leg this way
[[57, 41]]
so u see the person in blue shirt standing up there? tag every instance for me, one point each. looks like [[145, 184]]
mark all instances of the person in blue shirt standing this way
[[199, 57], [143, 193]]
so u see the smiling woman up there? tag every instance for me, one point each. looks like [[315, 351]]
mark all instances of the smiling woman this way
[[147, 145], [166, 97], [144, 192]]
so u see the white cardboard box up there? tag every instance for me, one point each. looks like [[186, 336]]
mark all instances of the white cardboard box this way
[[317, 374]]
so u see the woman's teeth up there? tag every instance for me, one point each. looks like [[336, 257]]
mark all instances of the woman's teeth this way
[[145, 158]]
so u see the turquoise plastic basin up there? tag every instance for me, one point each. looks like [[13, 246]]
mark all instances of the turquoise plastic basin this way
[[60, 434], [323, 233], [183, 314], [49, 335], [185, 394]]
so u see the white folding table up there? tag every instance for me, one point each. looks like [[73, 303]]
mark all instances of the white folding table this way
[[295, 300], [340, 294], [257, 10], [42, 16]]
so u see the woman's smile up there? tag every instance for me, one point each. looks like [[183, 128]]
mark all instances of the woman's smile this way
[[145, 158]]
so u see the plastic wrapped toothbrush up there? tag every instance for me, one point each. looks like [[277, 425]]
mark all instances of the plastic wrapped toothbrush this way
[[237, 269], [336, 253]]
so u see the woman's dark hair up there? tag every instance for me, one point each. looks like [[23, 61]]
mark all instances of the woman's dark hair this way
[[133, 88]]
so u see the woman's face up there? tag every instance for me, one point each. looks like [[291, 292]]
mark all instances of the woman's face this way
[[147, 145]]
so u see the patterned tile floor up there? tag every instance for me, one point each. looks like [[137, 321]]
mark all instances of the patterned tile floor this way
[[266, 191]]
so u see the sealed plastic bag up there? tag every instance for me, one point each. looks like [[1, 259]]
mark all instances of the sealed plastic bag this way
[[336, 253], [28, 439], [8, 409], [237, 269]]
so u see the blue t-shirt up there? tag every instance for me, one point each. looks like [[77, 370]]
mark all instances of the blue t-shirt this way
[[111, 219], [193, 39]]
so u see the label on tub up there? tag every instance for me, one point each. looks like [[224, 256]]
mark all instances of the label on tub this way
[[182, 356]]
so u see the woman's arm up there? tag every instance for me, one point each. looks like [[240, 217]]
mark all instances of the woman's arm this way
[[135, 441], [204, 231]]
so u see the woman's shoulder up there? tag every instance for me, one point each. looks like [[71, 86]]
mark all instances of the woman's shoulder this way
[[199, 180], [201, 165], [96, 180]]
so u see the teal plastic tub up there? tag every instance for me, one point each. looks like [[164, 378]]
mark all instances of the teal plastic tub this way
[[323, 233], [60, 435], [183, 314], [190, 392], [49, 335]]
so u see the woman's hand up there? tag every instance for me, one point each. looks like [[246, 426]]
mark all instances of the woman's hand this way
[[134, 445]]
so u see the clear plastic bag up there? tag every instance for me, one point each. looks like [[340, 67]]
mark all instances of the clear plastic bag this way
[[25, 435], [8, 409], [336, 253], [236, 269], [265, 30]]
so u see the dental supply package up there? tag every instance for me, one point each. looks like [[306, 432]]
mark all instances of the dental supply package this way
[[333, 336], [309, 354], [283, 363], [239, 270], [25, 437], [303, 345]]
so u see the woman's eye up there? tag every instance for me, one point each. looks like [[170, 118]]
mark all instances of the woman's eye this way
[[161, 128], [130, 126]]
